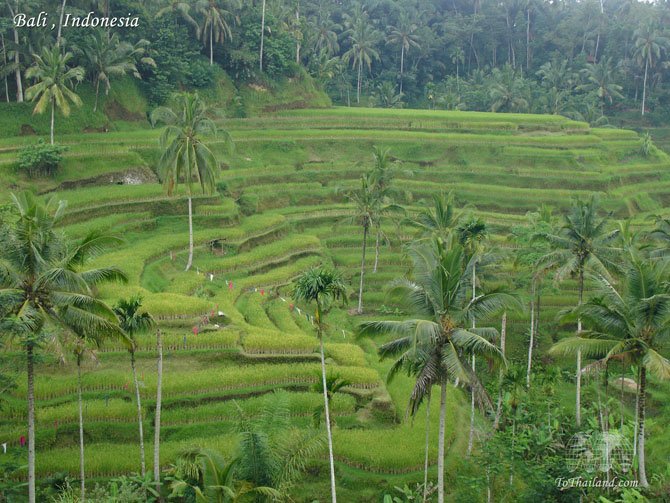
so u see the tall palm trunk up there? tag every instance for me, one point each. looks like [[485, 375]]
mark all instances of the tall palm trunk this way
[[17, 72], [262, 34], [157, 426], [503, 334], [4, 61], [532, 333], [644, 84], [297, 42], [211, 44], [97, 93], [82, 472], [60, 22], [425, 463], [471, 436], [53, 110], [637, 412], [358, 85], [139, 413], [528, 40], [578, 394], [331, 458], [360, 287], [374, 269], [440, 442], [190, 232], [31, 423], [402, 64], [642, 470]]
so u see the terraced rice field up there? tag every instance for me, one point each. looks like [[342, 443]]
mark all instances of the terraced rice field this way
[[289, 173]]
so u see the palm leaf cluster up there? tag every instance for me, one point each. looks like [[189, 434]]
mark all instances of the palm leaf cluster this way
[[45, 288], [433, 345]]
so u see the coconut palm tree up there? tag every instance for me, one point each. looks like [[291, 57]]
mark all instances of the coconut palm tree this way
[[322, 286], [650, 44], [215, 24], [107, 56], [53, 88], [186, 158], [83, 340], [14, 9], [363, 40], [583, 242], [324, 36], [133, 322], [438, 221], [470, 234], [42, 284], [631, 321], [433, 344], [367, 206], [157, 413], [384, 171], [403, 35], [262, 36], [180, 9], [599, 79]]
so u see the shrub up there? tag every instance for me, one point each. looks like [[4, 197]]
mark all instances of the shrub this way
[[248, 204], [201, 74], [41, 159]]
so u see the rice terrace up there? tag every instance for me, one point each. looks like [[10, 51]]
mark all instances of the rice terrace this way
[[249, 291]]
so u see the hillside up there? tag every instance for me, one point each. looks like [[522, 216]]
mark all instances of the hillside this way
[[279, 209]]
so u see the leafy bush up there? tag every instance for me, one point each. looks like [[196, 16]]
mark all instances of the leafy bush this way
[[41, 159], [201, 74]]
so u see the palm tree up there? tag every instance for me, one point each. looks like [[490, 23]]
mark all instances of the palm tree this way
[[334, 384], [185, 157], [157, 413], [134, 322], [382, 175], [325, 35], [13, 11], [107, 56], [215, 25], [507, 91], [600, 80], [84, 339], [366, 201], [214, 478], [54, 83], [438, 221], [582, 242], [182, 9], [41, 282], [632, 321], [471, 232], [649, 45], [272, 454], [322, 286], [404, 36], [363, 39], [262, 36], [433, 343]]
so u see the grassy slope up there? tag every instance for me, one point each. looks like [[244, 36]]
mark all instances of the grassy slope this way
[[296, 164]]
